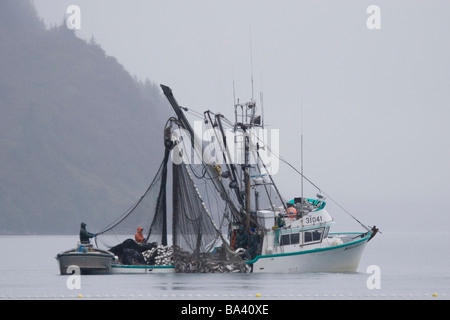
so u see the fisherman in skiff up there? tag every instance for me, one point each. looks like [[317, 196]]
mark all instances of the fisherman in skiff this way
[[84, 234]]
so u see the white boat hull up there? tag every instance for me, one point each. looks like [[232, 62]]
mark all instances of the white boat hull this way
[[140, 269], [340, 258]]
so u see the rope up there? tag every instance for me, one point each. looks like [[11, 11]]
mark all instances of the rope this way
[[318, 188], [302, 175]]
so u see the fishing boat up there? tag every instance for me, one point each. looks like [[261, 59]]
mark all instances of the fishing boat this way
[[306, 245], [227, 214], [85, 257]]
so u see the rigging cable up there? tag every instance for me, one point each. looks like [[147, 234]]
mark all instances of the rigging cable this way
[[318, 188]]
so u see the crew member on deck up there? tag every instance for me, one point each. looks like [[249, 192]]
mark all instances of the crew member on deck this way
[[241, 239], [291, 211], [139, 237], [253, 244]]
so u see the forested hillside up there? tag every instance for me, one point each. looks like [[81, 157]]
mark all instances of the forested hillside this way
[[80, 138]]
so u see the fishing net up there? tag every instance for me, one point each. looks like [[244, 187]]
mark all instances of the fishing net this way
[[198, 240], [148, 213], [214, 199], [198, 229]]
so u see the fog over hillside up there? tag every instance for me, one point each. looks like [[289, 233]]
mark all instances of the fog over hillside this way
[[80, 138]]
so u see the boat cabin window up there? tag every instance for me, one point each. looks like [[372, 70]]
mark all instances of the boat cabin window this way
[[313, 235], [292, 238]]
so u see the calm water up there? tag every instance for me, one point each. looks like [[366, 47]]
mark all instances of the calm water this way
[[412, 266]]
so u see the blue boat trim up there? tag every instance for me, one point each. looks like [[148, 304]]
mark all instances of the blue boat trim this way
[[366, 237], [314, 202]]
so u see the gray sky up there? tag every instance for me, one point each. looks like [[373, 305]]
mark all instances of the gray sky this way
[[375, 102]]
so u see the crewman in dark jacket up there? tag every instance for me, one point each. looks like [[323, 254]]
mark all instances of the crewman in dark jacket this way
[[253, 244], [84, 234], [241, 239]]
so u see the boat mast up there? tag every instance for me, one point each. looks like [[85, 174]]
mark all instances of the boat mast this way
[[229, 163], [209, 169], [247, 122], [251, 60], [247, 183]]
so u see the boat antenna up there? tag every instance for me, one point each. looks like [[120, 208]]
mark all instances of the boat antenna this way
[[301, 163], [262, 109], [234, 89], [261, 99], [251, 59], [301, 149]]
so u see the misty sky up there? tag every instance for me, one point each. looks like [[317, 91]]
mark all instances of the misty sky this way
[[375, 102]]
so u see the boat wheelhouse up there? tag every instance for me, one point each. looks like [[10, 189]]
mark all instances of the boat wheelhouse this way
[[303, 243]]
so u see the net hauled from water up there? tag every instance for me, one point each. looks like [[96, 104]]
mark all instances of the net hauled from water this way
[[198, 243]]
